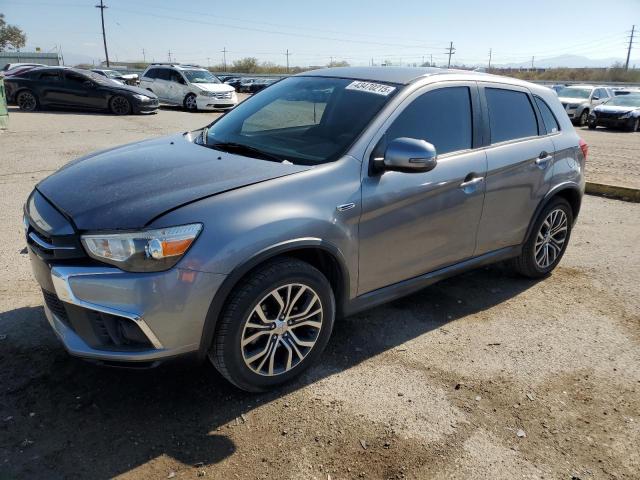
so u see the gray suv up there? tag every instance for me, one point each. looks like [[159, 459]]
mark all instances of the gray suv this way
[[325, 194]]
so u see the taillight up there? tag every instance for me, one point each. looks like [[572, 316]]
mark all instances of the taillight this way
[[584, 147]]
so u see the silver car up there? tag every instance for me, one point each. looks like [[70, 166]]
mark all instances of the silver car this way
[[580, 100], [325, 194]]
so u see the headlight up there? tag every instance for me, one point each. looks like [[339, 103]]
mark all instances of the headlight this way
[[144, 251], [625, 116], [206, 93], [142, 98]]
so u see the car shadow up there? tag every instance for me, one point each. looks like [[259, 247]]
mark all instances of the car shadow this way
[[95, 422], [12, 109]]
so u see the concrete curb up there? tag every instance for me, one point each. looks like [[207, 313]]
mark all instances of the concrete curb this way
[[612, 191]]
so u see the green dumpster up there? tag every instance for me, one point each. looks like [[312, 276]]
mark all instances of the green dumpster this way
[[4, 114]]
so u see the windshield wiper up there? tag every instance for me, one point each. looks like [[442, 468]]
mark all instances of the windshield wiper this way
[[246, 150]]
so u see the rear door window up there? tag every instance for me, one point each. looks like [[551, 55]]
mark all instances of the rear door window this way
[[50, 77], [163, 74], [511, 115], [151, 73], [549, 119], [441, 117]]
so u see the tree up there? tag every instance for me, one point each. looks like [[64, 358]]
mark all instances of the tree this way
[[10, 35], [245, 65], [340, 63]]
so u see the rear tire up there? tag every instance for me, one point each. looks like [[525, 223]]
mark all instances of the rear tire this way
[[119, 105], [634, 125], [584, 117], [548, 241], [275, 325], [27, 101]]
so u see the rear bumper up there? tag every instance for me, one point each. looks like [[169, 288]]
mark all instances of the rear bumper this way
[[168, 308]]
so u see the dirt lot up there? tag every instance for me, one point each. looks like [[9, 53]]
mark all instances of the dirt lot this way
[[483, 376], [615, 157]]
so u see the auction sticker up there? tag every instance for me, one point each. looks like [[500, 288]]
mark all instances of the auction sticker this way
[[377, 88]]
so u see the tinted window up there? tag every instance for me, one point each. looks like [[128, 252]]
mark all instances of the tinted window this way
[[441, 117], [75, 78], [163, 74], [176, 77], [511, 115], [50, 76], [151, 73], [549, 119]]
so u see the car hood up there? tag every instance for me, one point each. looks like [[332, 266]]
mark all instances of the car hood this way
[[579, 101], [127, 187], [214, 87], [615, 109]]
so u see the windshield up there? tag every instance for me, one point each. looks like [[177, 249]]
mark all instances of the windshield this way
[[306, 120], [200, 76], [625, 101], [575, 92], [112, 73]]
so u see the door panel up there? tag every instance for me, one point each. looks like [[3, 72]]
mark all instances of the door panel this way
[[517, 180], [519, 168], [413, 223]]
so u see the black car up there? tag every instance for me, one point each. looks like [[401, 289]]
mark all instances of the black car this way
[[259, 84], [76, 89], [619, 112]]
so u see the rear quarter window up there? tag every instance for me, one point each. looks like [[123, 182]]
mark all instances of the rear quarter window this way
[[550, 122], [511, 115]]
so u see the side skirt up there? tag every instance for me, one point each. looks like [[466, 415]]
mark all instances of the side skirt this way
[[407, 287]]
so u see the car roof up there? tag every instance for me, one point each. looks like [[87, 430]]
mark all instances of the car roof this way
[[407, 75]]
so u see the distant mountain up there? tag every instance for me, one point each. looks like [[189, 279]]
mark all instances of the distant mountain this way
[[570, 61]]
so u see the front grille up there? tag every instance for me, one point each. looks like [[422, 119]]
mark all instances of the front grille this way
[[55, 305], [609, 115], [223, 95], [62, 247]]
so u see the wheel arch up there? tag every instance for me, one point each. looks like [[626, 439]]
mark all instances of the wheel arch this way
[[569, 191], [322, 255]]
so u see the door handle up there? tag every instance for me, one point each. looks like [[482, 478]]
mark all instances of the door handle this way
[[543, 159], [471, 183]]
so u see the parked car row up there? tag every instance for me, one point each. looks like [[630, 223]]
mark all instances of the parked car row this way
[[122, 78], [248, 84], [620, 112]]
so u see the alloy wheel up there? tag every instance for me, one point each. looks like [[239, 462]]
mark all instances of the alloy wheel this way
[[27, 101], [584, 117], [551, 238], [282, 329], [120, 106]]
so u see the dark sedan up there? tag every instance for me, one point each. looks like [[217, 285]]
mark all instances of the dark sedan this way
[[76, 89], [619, 112]]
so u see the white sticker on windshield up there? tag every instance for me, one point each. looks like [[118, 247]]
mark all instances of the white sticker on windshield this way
[[377, 88]]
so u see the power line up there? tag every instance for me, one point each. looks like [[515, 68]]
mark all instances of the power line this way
[[633, 31], [102, 6]]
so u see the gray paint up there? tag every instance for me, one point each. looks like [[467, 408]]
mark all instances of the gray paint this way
[[403, 225]]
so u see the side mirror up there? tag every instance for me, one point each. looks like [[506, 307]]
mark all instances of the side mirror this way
[[408, 155], [595, 97], [88, 84]]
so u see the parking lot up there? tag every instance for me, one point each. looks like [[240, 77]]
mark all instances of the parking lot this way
[[486, 375]]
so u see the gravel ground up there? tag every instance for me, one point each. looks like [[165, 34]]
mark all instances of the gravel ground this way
[[486, 375], [614, 157]]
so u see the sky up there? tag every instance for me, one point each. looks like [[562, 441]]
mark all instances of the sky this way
[[315, 32]]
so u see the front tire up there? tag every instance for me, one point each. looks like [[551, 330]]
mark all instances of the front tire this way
[[190, 103], [548, 241], [119, 105], [275, 325], [634, 125], [27, 101]]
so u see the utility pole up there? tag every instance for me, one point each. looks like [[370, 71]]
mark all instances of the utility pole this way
[[224, 58], [287, 54], [331, 61], [102, 6], [144, 57], [451, 51], [372, 61], [490, 52], [532, 60], [208, 62], [169, 56], [431, 60], [633, 31]]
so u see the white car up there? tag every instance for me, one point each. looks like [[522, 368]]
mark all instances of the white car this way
[[193, 87]]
